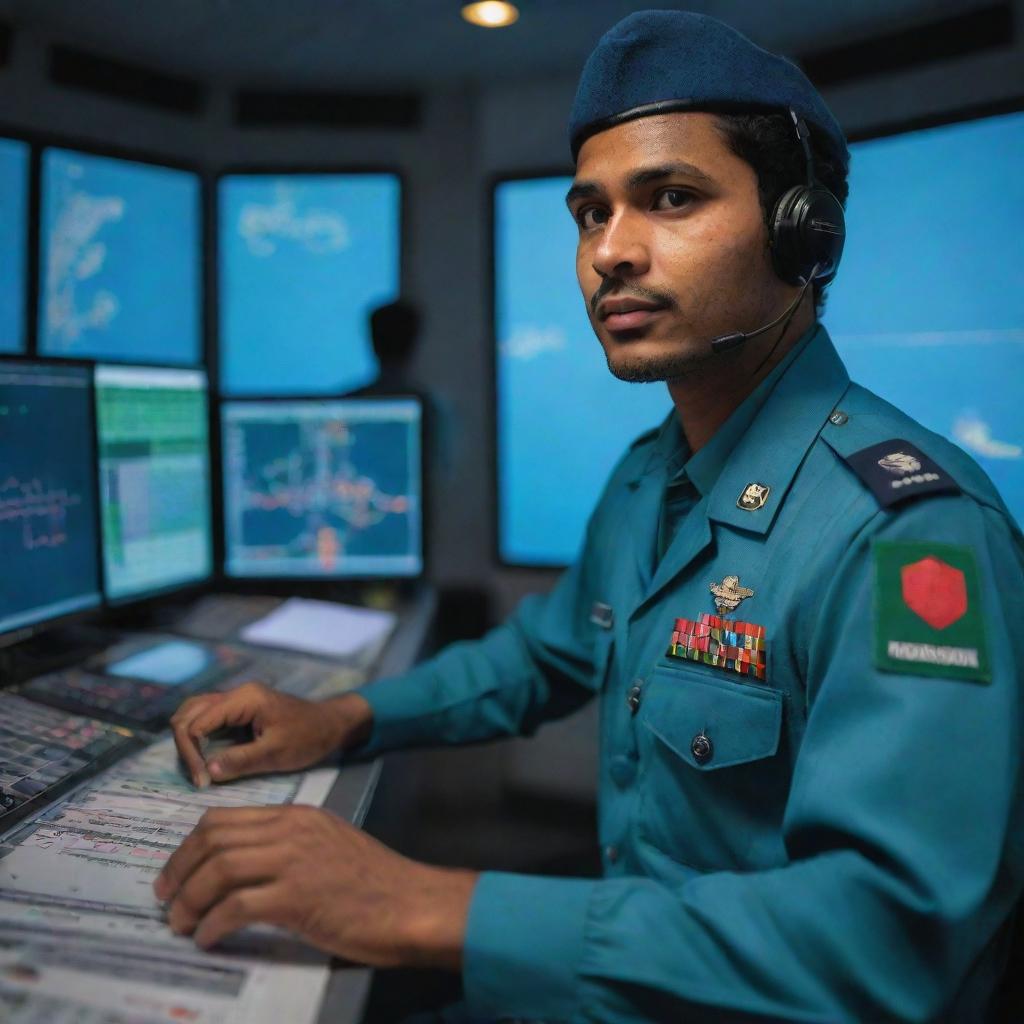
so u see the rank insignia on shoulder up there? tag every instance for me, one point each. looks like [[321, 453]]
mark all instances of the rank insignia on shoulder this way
[[897, 470], [928, 616], [727, 644]]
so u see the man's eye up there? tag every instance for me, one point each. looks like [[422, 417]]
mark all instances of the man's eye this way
[[591, 217], [673, 199]]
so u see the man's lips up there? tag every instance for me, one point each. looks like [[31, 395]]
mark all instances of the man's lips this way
[[624, 314]]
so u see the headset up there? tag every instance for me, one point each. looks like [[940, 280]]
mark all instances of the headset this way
[[806, 232]]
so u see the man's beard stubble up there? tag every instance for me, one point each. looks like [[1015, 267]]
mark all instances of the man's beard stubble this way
[[640, 370]]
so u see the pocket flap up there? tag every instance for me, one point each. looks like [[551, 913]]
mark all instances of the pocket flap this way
[[741, 721]]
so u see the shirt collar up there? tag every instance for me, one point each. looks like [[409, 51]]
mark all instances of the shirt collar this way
[[764, 440]]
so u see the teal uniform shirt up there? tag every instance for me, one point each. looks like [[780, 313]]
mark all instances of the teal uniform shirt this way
[[840, 840]]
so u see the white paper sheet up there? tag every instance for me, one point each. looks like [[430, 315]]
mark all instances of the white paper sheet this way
[[321, 627], [82, 937]]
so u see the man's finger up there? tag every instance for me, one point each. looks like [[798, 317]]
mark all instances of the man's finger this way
[[221, 874], [187, 744], [244, 759], [261, 904], [204, 841]]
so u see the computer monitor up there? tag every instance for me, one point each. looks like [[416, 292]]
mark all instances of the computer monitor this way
[[120, 265], [303, 261], [928, 307], [49, 531], [927, 310], [14, 163], [544, 340], [154, 479], [328, 489]]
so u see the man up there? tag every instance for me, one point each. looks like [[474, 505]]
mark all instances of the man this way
[[795, 603]]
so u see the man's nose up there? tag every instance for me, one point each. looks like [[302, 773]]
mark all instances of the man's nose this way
[[623, 250]]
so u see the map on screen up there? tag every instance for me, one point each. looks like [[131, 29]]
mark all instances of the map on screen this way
[[120, 260], [304, 259], [317, 488]]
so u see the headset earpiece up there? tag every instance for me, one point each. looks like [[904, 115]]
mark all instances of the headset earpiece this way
[[807, 227]]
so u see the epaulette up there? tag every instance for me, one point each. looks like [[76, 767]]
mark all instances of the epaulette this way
[[897, 470]]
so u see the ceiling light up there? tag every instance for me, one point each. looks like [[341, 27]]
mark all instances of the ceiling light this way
[[491, 14]]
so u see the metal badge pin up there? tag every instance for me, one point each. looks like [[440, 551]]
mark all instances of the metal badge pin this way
[[753, 497], [729, 593]]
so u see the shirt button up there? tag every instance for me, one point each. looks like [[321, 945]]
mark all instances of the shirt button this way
[[622, 769], [633, 697], [839, 418], [611, 853], [701, 748]]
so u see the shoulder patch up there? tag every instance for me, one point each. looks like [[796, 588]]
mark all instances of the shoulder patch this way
[[896, 470], [928, 617]]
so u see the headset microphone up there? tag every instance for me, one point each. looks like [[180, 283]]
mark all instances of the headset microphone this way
[[728, 341]]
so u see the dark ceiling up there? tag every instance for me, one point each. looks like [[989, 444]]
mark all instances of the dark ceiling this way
[[414, 44]]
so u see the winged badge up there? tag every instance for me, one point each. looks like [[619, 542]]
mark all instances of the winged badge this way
[[729, 593]]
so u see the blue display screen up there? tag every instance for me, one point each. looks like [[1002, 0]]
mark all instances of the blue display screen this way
[[14, 160], [547, 490], [928, 307], [927, 311], [120, 267], [48, 527], [171, 663], [154, 465], [319, 488], [304, 259]]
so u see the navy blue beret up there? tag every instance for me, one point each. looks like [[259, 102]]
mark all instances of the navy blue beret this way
[[657, 61]]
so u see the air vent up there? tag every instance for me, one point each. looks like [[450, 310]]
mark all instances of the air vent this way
[[131, 82], [957, 36], [326, 109]]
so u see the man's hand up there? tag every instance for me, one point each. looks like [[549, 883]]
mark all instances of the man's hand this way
[[288, 733], [306, 870]]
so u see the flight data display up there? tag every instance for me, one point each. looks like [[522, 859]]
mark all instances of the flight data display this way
[[48, 525], [120, 267], [14, 163], [323, 488], [304, 259], [154, 478], [927, 310]]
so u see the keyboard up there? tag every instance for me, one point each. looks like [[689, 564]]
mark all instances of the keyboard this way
[[114, 685], [43, 750]]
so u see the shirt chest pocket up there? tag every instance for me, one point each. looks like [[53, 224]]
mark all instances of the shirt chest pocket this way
[[712, 788]]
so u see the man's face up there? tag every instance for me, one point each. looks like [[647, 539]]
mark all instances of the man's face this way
[[673, 248]]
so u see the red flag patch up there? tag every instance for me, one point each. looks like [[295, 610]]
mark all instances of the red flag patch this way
[[934, 591]]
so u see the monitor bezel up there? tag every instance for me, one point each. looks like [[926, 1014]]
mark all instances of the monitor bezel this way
[[17, 635], [197, 585], [313, 584], [878, 130], [41, 142]]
